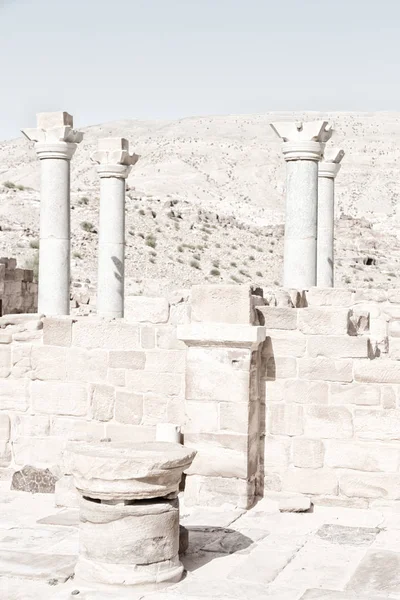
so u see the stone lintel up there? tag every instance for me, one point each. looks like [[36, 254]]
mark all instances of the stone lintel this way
[[221, 334]]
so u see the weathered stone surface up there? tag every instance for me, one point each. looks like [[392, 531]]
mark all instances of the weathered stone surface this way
[[284, 343], [394, 348], [218, 491], [222, 304], [276, 452], [326, 369], [348, 536], [142, 382], [14, 394], [278, 318], [118, 470], [86, 365], [377, 371], [388, 395], [77, 429], [49, 363], [101, 401], [337, 346], [308, 453], [128, 407], [370, 485], [378, 572], [146, 309], [57, 331], [155, 408], [354, 393], [286, 419], [166, 361], [305, 392], [5, 360], [127, 359], [377, 424], [362, 456], [308, 481], [323, 321], [317, 296], [59, 398], [294, 504], [90, 332], [30, 425], [204, 416], [36, 481], [66, 494], [38, 451], [116, 377], [148, 337], [328, 422], [280, 367]]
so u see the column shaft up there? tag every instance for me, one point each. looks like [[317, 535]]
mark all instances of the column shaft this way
[[54, 250], [301, 224], [325, 237], [111, 259]]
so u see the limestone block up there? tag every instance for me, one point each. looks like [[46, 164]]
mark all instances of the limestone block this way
[[317, 296], [354, 393], [38, 451], [5, 360], [221, 334], [394, 329], [5, 338], [377, 371], [154, 409], [310, 481], [222, 304], [5, 453], [203, 416], [166, 338], [305, 392], [146, 309], [232, 416], [168, 432], [59, 398], [388, 397], [57, 331], [276, 452], [359, 319], [273, 391], [328, 422], [220, 374], [286, 419], [130, 433], [116, 377], [128, 407], [394, 295], [218, 491], [142, 382], [213, 461], [127, 359], [326, 369], [66, 494], [370, 295], [77, 429], [14, 394], [101, 401], [362, 456], [394, 348], [308, 453], [278, 317], [284, 343], [175, 410], [377, 424], [90, 332], [294, 504], [230, 441], [148, 337], [30, 425], [86, 365], [370, 485], [180, 313], [390, 311], [49, 363], [323, 321], [280, 367], [166, 361], [337, 346]]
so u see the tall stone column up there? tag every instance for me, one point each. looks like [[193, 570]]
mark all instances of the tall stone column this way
[[303, 146], [115, 164], [56, 142], [327, 171]]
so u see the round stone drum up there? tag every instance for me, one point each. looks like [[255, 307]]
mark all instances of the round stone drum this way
[[129, 511]]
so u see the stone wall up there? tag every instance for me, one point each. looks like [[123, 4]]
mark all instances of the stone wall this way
[[18, 292], [331, 371]]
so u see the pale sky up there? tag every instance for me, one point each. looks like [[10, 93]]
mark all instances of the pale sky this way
[[165, 59]]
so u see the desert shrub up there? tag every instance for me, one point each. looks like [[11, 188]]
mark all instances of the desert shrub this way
[[9, 185], [87, 226], [259, 274], [131, 232], [34, 244], [218, 245], [180, 249], [215, 272], [83, 201], [197, 256], [215, 264], [152, 259], [347, 279], [235, 279], [151, 241], [233, 264], [142, 212], [252, 258], [244, 273], [20, 187], [76, 255], [195, 264], [33, 264]]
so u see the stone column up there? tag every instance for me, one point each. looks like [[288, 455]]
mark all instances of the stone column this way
[[327, 171], [56, 142], [303, 146], [115, 164]]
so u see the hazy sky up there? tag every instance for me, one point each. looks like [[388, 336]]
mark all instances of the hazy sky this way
[[103, 60]]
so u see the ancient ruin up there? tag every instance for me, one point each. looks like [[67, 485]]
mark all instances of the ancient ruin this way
[[240, 401]]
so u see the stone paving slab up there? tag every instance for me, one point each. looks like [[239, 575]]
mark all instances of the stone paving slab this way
[[36, 566], [378, 572], [63, 518]]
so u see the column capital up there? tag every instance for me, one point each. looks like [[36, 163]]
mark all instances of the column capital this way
[[113, 158], [303, 141], [55, 136], [330, 164]]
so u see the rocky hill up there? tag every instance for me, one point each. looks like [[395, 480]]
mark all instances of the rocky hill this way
[[206, 200]]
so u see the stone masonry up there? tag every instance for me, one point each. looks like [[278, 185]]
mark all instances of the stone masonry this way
[[18, 291]]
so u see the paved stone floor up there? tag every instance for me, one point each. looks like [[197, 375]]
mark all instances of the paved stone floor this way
[[328, 554]]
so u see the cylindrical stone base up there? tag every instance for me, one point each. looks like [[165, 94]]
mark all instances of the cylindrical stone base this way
[[111, 253], [129, 544], [325, 238], [300, 250]]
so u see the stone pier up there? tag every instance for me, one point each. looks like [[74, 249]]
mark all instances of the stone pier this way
[[129, 511], [56, 142], [327, 171], [303, 147], [115, 164]]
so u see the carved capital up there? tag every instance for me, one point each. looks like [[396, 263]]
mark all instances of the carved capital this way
[[56, 131], [113, 157], [303, 141], [330, 165]]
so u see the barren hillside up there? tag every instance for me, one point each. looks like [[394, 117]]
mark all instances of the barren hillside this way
[[206, 200]]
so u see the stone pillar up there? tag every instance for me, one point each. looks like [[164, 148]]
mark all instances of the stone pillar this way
[[327, 171], [56, 142], [223, 419], [115, 164], [303, 146], [129, 511]]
